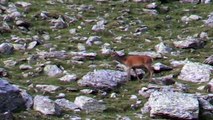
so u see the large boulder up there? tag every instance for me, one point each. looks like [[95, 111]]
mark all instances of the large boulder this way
[[103, 79], [189, 42], [173, 105], [12, 98], [195, 72], [6, 48], [46, 106], [89, 104]]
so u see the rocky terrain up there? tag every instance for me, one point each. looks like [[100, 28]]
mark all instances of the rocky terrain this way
[[56, 64]]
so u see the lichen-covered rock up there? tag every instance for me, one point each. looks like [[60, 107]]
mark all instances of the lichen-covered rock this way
[[173, 105], [89, 104], [46, 106], [104, 79], [195, 72]]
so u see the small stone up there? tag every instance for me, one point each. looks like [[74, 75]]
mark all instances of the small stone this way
[[68, 78]]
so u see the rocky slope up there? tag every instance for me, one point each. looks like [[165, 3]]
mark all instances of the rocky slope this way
[[56, 64]]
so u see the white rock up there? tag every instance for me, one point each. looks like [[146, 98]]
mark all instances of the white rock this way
[[46, 106], [68, 78], [89, 104], [53, 71], [195, 72]]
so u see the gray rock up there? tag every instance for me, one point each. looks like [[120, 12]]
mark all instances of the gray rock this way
[[23, 25], [32, 45], [3, 2], [68, 78], [189, 1], [209, 60], [174, 105], [195, 72], [106, 49], [206, 1], [93, 39], [165, 80], [187, 19], [6, 115], [81, 47], [209, 21], [146, 92], [27, 99], [89, 104], [53, 54], [152, 6], [100, 26], [161, 67], [6, 48], [3, 72], [19, 47], [52, 71], [4, 27], [9, 63], [10, 97], [23, 4], [176, 64], [180, 87], [72, 31], [25, 67], [105, 79], [61, 95], [209, 86], [189, 42], [66, 104], [87, 91], [163, 48], [47, 88], [150, 11], [205, 105], [143, 0], [75, 118], [58, 23], [84, 54], [46, 106]]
